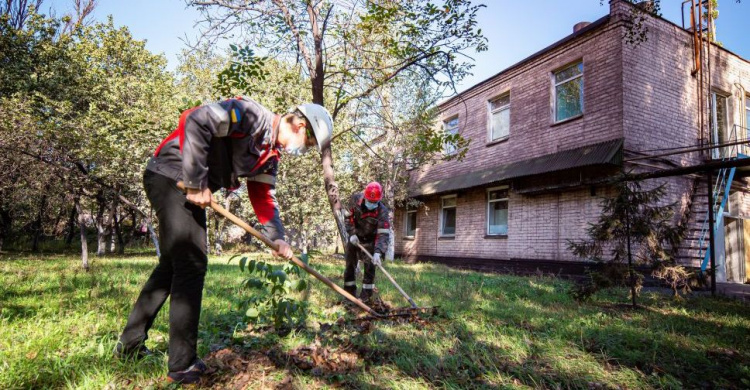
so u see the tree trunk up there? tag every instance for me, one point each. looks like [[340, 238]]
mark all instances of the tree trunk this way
[[317, 81], [101, 226], [332, 189], [6, 222], [120, 236], [84, 243], [38, 222], [55, 231], [114, 230], [71, 226]]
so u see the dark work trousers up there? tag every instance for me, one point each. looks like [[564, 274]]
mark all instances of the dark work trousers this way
[[179, 274], [353, 253]]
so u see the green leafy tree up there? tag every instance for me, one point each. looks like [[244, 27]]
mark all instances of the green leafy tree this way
[[348, 50]]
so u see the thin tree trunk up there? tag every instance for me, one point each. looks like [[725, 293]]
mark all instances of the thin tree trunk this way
[[84, 243], [113, 229], [120, 236], [71, 226], [101, 226], [38, 222], [630, 259]]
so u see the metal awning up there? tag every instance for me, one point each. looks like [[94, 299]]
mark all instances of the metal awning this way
[[603, 153]]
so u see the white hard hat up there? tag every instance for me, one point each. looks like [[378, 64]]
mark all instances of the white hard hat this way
[[321, 122]]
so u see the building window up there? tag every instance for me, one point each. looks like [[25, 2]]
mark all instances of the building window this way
[[448, 216], [747, 116], [568, 99], [499, 109], [497, 211], [450, 127], [718, 124], [410, 225]]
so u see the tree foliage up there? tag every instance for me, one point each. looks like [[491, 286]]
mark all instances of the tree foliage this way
[[635, 229], [348, 50], [82, 106]]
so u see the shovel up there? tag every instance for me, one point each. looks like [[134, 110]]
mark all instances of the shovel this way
[[226, 214]]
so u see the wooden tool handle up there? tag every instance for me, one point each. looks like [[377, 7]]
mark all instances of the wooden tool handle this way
[[408, 298], [226, 214]]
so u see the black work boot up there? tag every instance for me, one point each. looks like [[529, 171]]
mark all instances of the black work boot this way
[[351, 290], [137, 353], [366, 295], [189, 375]]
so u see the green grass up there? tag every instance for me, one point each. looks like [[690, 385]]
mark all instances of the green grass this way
[[58, 326]]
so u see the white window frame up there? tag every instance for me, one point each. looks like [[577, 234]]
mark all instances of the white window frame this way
[[406, 223], [489, 202], [555, 84], [442, 208], [491, 112], [717, 153], [448, 149]]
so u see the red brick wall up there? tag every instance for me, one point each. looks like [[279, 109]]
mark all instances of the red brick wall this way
[[532, 130]]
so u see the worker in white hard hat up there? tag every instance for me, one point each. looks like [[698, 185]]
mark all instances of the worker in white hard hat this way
[[213, 147]]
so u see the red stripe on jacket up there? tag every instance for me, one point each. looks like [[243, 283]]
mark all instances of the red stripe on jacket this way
[[178, 132]]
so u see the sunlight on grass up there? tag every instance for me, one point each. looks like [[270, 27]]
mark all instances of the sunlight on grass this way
[[58, 326]]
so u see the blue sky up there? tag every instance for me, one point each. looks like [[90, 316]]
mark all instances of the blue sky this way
[[515, 29]]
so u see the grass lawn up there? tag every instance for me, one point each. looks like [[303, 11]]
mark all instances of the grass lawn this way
[[58, 326]]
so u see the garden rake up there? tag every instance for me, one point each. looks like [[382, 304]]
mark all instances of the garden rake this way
[[414, 309]]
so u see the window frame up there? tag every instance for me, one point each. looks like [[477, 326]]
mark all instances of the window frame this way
[[555, 84], [441, 218], [491, 112], [487, 209], [453, 130], [406, 223]]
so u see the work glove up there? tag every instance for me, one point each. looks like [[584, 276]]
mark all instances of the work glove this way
[[354, 239], [376, 260]]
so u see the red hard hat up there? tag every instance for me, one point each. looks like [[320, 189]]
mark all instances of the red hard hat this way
[[373, 192]]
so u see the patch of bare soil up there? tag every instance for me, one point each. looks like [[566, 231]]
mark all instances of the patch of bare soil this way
[[231, 368], [318, 360]]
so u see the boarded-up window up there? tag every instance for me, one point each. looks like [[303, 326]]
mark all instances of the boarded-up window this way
[[499, 117]]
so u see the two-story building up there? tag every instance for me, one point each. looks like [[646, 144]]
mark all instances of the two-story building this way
[[547, 133]]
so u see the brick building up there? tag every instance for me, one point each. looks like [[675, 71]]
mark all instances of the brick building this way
[[546, 133]]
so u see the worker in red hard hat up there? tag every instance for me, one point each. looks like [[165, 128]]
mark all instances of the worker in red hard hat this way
[[367, 224]]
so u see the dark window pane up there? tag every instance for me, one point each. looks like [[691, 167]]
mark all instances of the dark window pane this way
[[411, 223], [499, 194], [449, 221], [571, 71]]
